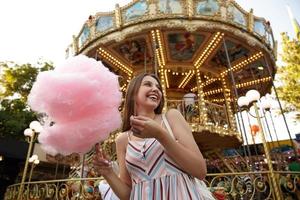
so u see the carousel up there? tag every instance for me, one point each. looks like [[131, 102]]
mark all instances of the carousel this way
[[207, 54]]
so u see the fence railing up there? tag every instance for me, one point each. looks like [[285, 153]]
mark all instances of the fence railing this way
[[243, 185], [216, 114]]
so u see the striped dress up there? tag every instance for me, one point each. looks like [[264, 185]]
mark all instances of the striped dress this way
[[155, 175]]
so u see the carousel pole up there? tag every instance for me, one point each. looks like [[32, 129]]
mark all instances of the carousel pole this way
[[251, 98], [270, 165], [271, 145], [254, 144], [237, 96], [280, 107]]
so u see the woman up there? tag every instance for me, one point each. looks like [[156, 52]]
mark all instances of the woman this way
[[157, 154]]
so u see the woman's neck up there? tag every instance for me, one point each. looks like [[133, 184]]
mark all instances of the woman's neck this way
[[146, 114]]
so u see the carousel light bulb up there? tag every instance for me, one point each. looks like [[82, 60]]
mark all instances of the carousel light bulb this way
[[265, 103], [30, 160], [242, 101], [36, 162], [252, 96], [34, 157], [36, 126], [28, 132]]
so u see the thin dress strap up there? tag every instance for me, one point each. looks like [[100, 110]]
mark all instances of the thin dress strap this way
[[128, 135], [168, 126]]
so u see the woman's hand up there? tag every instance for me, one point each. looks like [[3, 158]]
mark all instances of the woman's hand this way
[[102, 165], [145, 127]]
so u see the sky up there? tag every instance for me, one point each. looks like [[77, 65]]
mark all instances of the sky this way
[[42, 29]]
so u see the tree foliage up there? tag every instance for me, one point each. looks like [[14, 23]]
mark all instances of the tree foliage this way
[[16, 83], [289, 74]]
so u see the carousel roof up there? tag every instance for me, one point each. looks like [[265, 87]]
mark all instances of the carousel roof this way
[[183, 36]]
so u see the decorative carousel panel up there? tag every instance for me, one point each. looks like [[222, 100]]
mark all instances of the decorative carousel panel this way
[[135, 11], [269, 35], [170, 6], [235, 51], [255, 70], [104, 23], [182, 46], [207, 7], [134, 51], [237, 15], [259, 27], [84, 36]]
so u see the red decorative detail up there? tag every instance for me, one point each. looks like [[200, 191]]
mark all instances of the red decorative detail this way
[[254, 129]]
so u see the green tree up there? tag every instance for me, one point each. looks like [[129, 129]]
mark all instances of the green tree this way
[[16, 82], [289, 74]]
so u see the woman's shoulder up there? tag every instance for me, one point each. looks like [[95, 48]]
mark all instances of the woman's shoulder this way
[[173, 113], [122, 138]]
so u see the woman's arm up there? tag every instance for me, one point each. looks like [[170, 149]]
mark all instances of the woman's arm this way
[[184, 151], [121, 185]]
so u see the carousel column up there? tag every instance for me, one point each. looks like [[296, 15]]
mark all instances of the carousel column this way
[[159, 59], [118, 17], [201, 101], [250, 21], [190, 8], [75, 44], [231, 120]]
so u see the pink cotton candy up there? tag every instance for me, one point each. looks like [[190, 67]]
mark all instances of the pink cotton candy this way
[[82, 98]]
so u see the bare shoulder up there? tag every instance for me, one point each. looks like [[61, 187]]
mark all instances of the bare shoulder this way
[[174, 115], [122, 140]]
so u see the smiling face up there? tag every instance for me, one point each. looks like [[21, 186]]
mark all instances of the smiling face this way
[[149, 94], [143, 90]]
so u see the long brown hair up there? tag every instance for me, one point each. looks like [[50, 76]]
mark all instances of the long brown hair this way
[[129, 104]]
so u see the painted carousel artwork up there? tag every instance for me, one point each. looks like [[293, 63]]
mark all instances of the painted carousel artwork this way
[[104, 23], [135, 11], [182, 46], [207, 7], [170, 6], [134, 51]]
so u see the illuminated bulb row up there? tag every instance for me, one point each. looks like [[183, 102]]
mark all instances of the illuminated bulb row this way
[[158, 34], [190, 77], [211, 46], [243, 63], [249, 83], [211, 92], [161, 61], [114, 61], [218, 100], [176, 73], [212, 80], [186, 79], [166, 78], [220, 130], [202, 105], [210, 43], [194, 89], [123, 88]]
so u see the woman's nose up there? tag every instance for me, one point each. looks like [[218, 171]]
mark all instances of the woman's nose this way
[[154, 88]]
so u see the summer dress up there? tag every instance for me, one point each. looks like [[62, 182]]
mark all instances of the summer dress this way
[[155, 175]]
